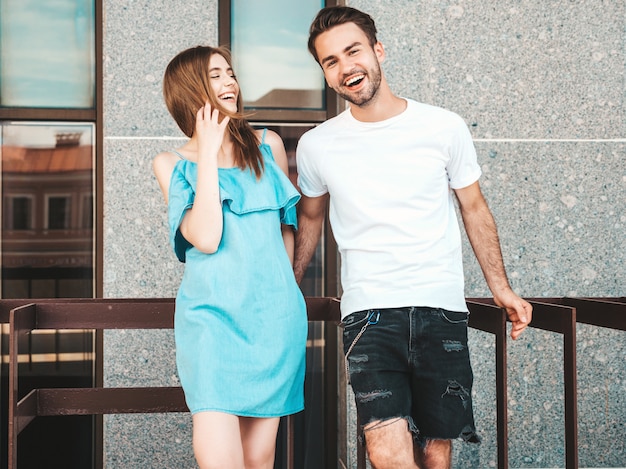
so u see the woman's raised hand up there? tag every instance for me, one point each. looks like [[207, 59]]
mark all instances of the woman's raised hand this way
[[209, 130]]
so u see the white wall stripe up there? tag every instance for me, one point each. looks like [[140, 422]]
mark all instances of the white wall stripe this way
[[478, 140], [552, 140]]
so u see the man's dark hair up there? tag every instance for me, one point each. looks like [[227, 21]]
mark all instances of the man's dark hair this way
[[329, 17]]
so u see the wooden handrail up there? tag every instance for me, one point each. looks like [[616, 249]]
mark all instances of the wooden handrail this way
[[25, 316], [558, 315], [487, 317]]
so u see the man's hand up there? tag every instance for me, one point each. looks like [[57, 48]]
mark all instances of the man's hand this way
[[519, 311]]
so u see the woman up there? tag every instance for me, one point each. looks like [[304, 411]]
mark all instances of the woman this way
[[240, 321]]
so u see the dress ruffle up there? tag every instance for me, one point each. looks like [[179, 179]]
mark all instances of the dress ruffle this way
[[240, 192], [245, 197]]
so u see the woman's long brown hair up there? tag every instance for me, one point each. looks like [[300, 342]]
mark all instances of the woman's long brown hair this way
[[186, 88]]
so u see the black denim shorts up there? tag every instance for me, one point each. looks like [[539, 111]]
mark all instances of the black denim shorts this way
[[412, 363]]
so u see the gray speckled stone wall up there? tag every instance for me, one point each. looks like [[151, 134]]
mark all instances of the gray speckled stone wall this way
[[140, 38], [541, 86]]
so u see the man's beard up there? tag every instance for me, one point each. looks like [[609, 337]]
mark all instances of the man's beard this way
[[363, 97]]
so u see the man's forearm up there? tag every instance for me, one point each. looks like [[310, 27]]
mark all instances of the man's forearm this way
[[483, 236], [307, 236]]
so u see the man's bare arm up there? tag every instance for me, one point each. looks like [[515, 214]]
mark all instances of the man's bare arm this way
[[311, 212], [483, 236]]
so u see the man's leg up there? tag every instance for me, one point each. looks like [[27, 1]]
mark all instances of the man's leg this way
[[436, 455], [442, 408], [389, 444], [376, 344]]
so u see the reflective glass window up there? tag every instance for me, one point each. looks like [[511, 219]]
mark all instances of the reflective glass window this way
[[58, 212], [47, 170], [272, 62], [47, 189], [18, 212], [47, 53]]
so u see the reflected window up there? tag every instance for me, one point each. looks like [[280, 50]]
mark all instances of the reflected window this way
[[86, 212], [269, 46], [47, 54], [47, 189], [18, 212], [58, 213]]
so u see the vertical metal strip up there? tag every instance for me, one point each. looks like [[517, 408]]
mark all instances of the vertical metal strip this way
[[501, 393], [21, 320], [291, 442], [570, 385]]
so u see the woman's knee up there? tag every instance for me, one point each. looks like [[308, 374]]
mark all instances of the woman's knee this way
[[217, 441], [259, 442], [216, 460], [211, 456], [260, 459]]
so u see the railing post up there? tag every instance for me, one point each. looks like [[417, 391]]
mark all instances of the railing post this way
[[290, 452], [487, 317], [21, 321], [331, 386], [562, 319], [571, 392]]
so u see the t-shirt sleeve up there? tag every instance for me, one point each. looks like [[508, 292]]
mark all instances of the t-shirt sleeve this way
[[463, 168], [307, 159], [181, 197]]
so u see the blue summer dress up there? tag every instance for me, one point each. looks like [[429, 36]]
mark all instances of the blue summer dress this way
[[240, 322]]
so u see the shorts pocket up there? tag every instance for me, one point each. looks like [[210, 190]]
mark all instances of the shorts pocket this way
[[454, 317], [354, 320]]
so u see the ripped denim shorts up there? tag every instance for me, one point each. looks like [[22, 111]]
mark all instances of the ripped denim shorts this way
[[412, 363]]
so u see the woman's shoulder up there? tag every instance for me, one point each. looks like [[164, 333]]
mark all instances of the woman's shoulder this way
[[163, 166], [165, 161], [167, 157], [268, 137], [274, 142]]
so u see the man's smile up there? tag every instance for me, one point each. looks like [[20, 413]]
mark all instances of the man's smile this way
[[354, 80]]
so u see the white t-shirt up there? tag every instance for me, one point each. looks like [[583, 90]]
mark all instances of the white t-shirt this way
[[391, 204]]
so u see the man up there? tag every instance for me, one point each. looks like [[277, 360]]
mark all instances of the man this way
[[390, 166]]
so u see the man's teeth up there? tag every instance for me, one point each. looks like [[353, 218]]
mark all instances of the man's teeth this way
[[354, 80]]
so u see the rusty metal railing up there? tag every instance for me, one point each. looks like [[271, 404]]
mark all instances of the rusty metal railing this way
[[487, 317], [558, 315], [561, 315], [25, 317]]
